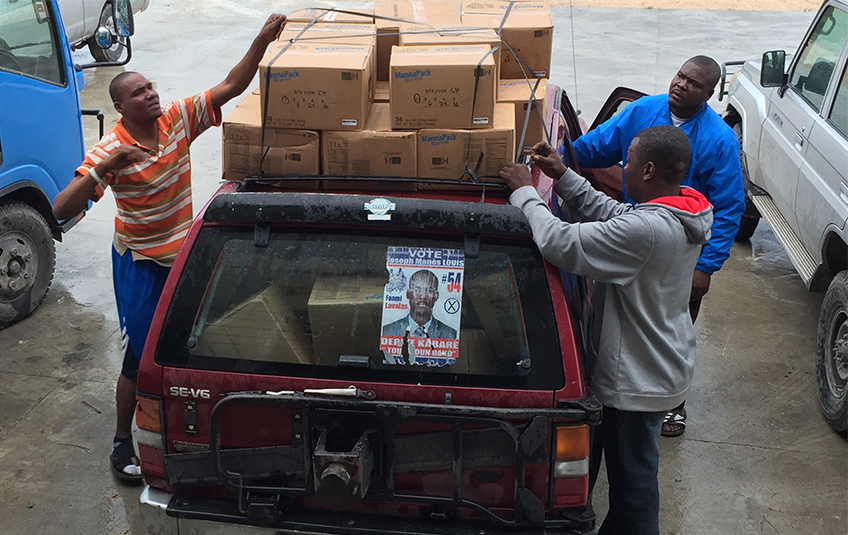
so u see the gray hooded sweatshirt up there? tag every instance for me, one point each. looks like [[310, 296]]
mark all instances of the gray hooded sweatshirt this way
[[643, 258]]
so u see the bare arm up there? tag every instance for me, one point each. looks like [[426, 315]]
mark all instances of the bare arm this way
[[73, 199], [239, 78]]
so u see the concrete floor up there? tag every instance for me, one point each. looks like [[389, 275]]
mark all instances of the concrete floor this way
[[757, 457]]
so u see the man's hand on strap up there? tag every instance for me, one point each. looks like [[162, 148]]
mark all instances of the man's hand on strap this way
[[272, 29], [516, 175], [545, 157]]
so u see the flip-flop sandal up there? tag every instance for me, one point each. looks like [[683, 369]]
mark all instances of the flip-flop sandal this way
[[674, 418], [124, 463]]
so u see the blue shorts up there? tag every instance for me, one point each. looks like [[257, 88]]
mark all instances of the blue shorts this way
[[138, 285]]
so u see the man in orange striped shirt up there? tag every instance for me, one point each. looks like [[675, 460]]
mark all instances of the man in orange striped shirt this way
[[145, 160]]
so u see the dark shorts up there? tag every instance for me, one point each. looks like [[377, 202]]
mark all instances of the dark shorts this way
[[138, 285]]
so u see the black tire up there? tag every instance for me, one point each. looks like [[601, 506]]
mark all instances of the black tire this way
[[27, 259], [114, 53], [832, 354], [747, 226], [751, 219]]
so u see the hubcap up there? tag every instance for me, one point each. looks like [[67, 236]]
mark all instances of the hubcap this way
[[18, 265], [108, 22], [839, 351]]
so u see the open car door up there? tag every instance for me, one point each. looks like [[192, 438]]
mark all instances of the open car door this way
[[609, 179]]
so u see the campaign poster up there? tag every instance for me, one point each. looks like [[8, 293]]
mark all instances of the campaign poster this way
[[422, 306]]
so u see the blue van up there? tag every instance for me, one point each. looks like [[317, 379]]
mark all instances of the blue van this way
[[41, 141]]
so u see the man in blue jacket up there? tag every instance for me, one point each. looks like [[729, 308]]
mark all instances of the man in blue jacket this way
[[714, 170]]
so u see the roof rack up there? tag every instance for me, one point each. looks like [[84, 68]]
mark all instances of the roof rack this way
[[254, 183]]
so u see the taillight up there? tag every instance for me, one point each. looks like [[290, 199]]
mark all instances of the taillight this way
[[151, 443], [147, 412], [571, 465]]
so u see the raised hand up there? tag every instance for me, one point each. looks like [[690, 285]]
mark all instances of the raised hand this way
[[272, 28]]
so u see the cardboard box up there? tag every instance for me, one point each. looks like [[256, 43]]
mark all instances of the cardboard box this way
[[317, 86], [345, 316], [326, 32], [476, 354], [434, 87], [289, 152], [332, 34], [264, 327], [491, 293], [442, 153], [528, 29], [426, 35], [353, 16], [382, 92], [517, 93], [433, 12], [375, 151]]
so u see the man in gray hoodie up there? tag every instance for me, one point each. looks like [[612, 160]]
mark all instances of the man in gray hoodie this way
[[642, 258]]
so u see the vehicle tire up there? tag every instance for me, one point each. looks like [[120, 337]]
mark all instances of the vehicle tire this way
[[749, 222], [832, 354], [107, 54], [747, 226], [27, 259]]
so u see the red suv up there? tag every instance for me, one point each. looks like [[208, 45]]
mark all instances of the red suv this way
[[283, 390]]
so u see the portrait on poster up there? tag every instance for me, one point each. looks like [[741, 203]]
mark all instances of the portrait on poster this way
[[422, 306]]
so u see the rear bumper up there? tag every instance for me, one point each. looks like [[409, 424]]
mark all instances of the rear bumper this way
[[153, 504], [164, 513]]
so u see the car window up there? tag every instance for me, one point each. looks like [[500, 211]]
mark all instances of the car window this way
[[839, 112], [344, 306], [817, 58], [620, 108], [28, 43]]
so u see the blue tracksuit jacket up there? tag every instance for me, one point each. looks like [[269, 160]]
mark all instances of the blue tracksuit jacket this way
[[714, 171]]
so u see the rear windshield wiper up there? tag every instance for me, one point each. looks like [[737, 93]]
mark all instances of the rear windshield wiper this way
[[349, 392]]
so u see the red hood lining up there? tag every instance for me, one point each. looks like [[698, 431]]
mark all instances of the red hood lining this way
[[689, 200]]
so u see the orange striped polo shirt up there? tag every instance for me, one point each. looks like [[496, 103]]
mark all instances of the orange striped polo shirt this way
[[154, 196]]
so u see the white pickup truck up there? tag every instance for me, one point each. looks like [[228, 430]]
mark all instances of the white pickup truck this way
[[793, 129], [83, 17]]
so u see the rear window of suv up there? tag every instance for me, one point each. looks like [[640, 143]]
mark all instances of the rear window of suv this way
[[349, 306]]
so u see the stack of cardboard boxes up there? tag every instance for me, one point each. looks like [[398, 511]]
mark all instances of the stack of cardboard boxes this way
[[424, 89]]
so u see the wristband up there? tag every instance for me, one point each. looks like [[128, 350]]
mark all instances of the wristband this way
[[93, 174]]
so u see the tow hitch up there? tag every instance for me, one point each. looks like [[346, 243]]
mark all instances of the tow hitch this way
[[343, 475], [263, 510]]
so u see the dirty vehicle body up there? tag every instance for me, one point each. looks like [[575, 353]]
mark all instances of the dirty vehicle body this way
[[41, 142], [270, 402], [792, 125]]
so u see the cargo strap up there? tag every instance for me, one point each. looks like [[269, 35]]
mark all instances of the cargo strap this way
[[528, 73], [264, 110], [474, 174], [329, 10]]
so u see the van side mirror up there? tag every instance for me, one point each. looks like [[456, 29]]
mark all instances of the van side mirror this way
[[115, 33], [773, 69], [124, 24], [120, 27]]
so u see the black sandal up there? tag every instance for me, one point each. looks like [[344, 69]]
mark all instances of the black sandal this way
[[674, 417], [124, 462]]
